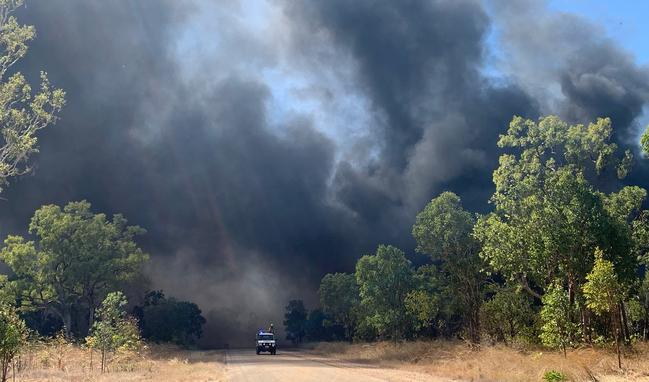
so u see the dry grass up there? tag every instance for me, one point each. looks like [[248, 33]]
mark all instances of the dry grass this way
[[65, 362], [495, 363]]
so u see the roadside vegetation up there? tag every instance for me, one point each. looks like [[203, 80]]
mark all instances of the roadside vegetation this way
[[456, 361], [558, 265]]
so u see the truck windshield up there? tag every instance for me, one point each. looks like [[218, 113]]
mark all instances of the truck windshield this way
[[264, 336]]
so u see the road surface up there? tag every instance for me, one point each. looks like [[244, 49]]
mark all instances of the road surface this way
[[290, 365]]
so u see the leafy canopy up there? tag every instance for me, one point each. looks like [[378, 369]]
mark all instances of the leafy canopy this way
[[443, 230], [549, 216], [165, 319], [77, 257], [339, 298], [384, 281]]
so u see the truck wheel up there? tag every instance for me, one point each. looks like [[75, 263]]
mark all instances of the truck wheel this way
[[273, 352], [257, 352]]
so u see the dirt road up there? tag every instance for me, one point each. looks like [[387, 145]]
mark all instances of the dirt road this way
[[245, 365]]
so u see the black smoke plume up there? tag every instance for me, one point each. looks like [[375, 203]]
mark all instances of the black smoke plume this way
[[264, 144]]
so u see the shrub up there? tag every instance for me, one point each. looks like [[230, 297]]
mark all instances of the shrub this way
[[113, 330], [554, 376]]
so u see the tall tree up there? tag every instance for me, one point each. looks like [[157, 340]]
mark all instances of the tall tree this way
[[443, 230], [295, 319], [549, 215], [77, 258], [384, 281], [23, 112], [339, 298]]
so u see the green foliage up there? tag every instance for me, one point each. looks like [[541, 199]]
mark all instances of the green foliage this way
[[554, 376], [13, 337], [535, 249], [602, 290], [443, 230], [603, 294], [384, 281], [76, 259], [507, 315], [339, 298], [557, 330], [168, 320], [114, 330], [22, 112], [638, 307], [295, 321], [423, 306], [549, 217], [644, 141]]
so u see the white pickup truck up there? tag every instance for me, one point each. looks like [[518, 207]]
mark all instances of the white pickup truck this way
[[266, 343]]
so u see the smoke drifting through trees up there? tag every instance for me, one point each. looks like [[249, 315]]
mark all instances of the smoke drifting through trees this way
[[263, 146]]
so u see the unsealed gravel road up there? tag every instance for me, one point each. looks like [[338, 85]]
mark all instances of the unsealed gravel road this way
[[290, 365]]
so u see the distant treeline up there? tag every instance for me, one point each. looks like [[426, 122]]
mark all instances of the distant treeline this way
[[560, 260]]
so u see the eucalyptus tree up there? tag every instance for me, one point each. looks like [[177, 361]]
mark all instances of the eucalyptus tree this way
[[443, 230], [549, 216], [339, 298], [76, 259], [385, 279]]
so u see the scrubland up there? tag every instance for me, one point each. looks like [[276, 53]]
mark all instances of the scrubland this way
[[458, 361], [444, 359], [67, 362]]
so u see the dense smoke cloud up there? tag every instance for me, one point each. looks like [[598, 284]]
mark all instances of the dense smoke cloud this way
[[263, 144], [571, 65]]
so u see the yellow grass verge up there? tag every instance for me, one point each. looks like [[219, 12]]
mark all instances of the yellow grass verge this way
[[157, 363], [495, 363]]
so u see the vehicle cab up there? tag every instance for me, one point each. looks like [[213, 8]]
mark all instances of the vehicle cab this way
[[266, 342]]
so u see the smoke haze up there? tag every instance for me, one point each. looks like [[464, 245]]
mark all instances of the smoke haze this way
[[263, 144]]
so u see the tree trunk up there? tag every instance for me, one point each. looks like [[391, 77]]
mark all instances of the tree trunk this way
[[91, 317], [644, 322], [67, 322], [625, 325], [616, 333], [5, 368], [584, 324], [617, 348]]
